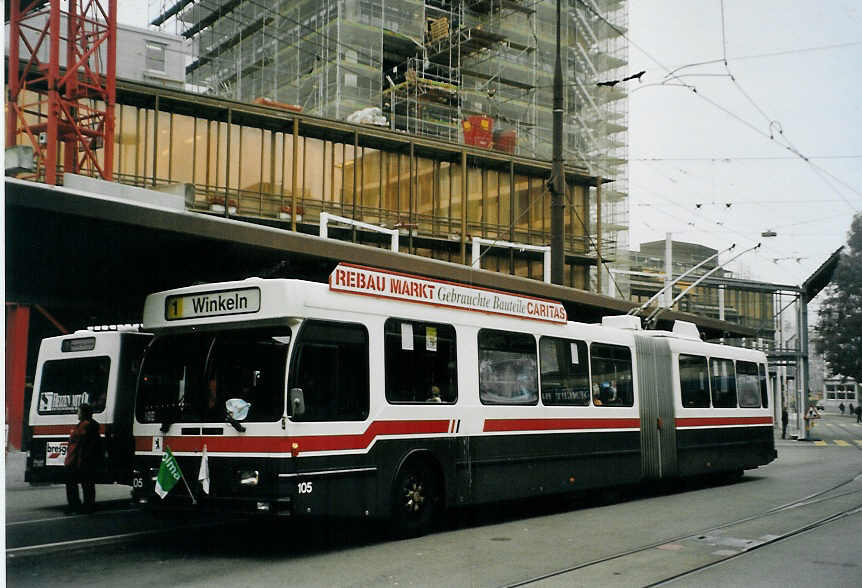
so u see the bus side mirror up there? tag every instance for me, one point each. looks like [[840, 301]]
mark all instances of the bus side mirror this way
[[297, 402]]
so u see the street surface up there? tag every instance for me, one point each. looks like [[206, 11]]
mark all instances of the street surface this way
[[795, 522]]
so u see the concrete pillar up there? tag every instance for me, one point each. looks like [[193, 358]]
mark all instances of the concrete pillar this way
[[17, 330]]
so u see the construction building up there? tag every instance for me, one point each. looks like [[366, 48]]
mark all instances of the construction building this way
[[474, 72]]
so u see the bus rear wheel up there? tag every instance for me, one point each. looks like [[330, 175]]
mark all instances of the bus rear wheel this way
[[415, 500]]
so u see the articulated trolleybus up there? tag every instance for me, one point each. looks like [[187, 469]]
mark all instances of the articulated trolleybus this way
[[97, 367], [388, 395]]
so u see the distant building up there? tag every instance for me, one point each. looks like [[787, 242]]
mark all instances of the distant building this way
[[152, 57], [143, 55], [744, 302], [838, 390]]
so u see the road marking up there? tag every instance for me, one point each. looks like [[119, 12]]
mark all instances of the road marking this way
[[18, 551], [95, 541], [821, 443], [65, 517], [842, 443]]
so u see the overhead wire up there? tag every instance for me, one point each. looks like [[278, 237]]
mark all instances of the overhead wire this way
[[671, 74], [701, 216], [680, 83], [771, 54], [732, 158]]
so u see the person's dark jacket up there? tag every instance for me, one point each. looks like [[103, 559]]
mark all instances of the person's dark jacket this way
[[85, 446]]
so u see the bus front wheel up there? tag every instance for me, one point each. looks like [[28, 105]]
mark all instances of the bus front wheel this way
[[415, 500]]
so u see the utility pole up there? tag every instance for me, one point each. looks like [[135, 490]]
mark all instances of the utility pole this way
[[668, 268], [557, 183]]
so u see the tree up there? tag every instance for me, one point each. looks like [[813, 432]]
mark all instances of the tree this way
[[840, 325]]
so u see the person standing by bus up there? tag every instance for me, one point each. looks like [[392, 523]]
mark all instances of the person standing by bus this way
[[83, 459], [858, 414], [784, 419]]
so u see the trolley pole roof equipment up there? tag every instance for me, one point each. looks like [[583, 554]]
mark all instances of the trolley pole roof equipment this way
[[672, 283], [654, 315]]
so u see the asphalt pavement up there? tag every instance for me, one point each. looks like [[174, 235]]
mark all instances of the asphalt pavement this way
[[23, 499], [482, 552]]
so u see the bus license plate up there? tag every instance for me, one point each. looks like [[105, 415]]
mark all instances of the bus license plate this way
[[55, 453]]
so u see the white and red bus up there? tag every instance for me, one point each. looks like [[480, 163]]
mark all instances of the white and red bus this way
[[97, 367], [389, 395]]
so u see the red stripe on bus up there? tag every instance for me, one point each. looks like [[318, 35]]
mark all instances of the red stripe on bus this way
[[59, 430], [499, 425], [275, 444], [722, 421]]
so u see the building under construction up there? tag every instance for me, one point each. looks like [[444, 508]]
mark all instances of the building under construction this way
[[476, 72]]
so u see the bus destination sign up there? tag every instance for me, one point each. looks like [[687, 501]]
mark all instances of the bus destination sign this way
[[223, 303], [374, 282]]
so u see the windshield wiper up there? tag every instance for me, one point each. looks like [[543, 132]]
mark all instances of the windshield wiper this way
[[235, 423], [168, 417]]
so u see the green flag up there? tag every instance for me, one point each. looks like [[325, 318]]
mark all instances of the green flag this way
[[169, 474]]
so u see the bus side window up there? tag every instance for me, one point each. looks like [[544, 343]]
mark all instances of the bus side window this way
[[565, 372], [330, 365], [722, 382], [693, 381], [420, 362], [747, 384], [611, 367], [507, 368], [764, 390]]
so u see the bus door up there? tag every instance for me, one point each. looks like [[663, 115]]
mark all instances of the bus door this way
[[119, 442], [329, 406], [655, 390]]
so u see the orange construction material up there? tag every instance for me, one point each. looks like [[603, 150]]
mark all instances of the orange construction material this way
[[276, 104], [478, 131], [505, 141]]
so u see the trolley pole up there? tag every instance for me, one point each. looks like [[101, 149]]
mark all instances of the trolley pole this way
[[557, 183]]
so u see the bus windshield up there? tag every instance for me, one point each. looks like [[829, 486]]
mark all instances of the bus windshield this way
[[189, 377]]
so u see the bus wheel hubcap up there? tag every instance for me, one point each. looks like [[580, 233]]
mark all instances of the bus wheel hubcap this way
[[414, 497]]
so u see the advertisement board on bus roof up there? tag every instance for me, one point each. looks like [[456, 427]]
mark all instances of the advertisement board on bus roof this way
[[368, 281]]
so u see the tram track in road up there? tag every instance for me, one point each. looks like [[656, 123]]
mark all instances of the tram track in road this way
[[60, 518], [101, 540], [673, 543], [109, 526], [784, 536]]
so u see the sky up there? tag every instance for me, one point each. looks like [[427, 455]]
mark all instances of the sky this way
[[795, 68], [796, 77]]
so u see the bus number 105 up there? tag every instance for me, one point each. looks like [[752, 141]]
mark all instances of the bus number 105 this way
[[304, 487]]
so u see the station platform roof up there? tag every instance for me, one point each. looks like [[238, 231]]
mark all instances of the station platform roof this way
[[99, 256]]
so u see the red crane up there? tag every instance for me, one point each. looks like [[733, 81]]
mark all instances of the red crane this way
[[68, 107]]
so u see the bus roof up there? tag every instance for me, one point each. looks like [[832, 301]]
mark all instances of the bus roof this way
[[257, 299]]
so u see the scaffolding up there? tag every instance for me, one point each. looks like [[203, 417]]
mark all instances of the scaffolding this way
[[436, 68]]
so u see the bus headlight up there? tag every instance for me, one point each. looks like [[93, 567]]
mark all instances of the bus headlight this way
[[249, 477]]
